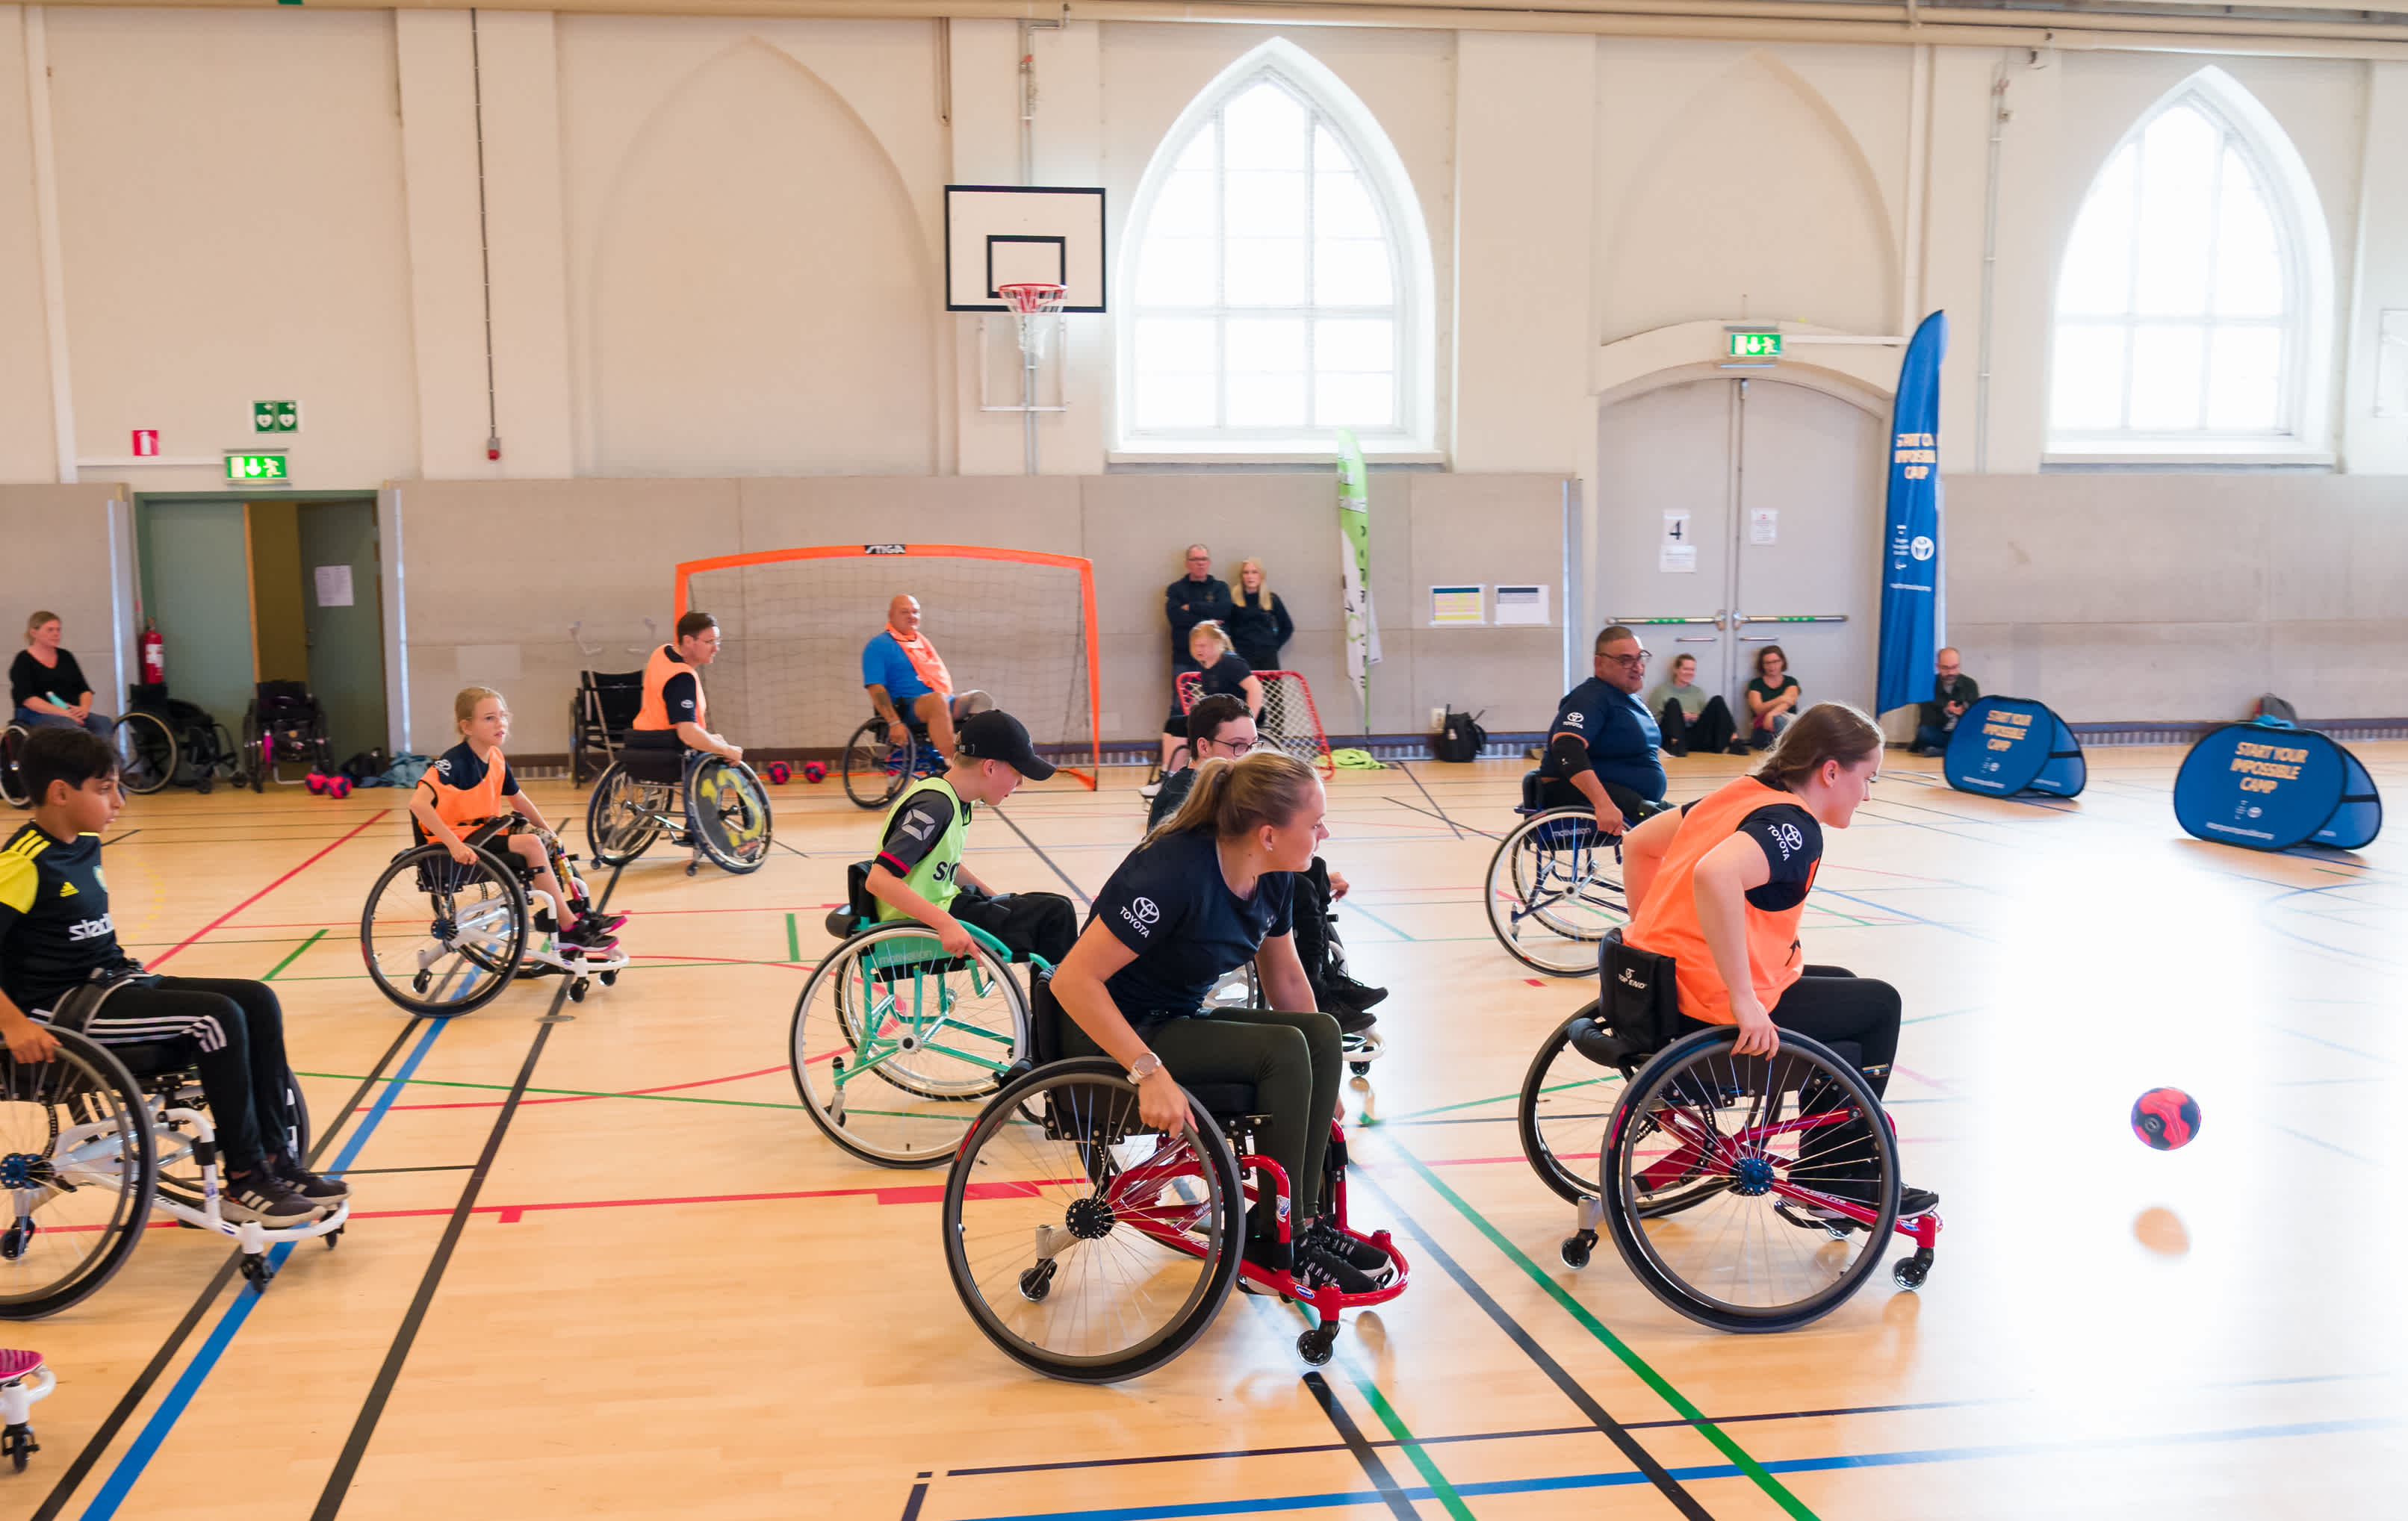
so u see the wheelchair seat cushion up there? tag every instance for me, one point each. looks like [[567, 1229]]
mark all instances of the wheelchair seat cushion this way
[[654, 764]]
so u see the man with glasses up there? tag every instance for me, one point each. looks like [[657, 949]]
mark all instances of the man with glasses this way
[[1601, 747], [1952, 693]]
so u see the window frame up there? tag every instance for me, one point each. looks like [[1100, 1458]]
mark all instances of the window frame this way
[[1328, 104]]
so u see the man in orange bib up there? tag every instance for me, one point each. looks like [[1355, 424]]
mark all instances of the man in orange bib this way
[[674, 714], [1721, 884], [904, 674]]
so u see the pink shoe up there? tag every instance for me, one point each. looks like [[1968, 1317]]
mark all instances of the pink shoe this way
[[16, 1365]]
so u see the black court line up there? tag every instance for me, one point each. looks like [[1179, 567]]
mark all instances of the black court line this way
[[919, 1496], [1352, 1435], [98, 1447], [363, 1172], [1582, 1399], [112, 840], [1444, 819], [1043, 856], [1425, 795]]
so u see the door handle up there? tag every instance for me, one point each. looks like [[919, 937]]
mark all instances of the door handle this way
[[1698, 639]]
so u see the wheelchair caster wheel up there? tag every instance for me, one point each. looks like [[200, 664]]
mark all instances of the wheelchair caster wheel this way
[[1577, 1247], [1037, 1282], [333, 1236], [204, 785], [609, 979], [19, 1443], [256, 1271], [422, 982], [691, 866], [1316, 1346], [1361, 1069], [577, 991], [1910, 1272], [14, 1241]]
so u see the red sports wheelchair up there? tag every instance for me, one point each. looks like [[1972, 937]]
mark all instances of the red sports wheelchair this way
[[1750, 1193]]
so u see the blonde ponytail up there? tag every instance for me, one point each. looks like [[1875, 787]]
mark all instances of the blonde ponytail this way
[[1234, 798]]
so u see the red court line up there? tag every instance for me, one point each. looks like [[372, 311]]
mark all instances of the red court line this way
[[265, 891], [587, 1098], [930, 1193], [632, 912]]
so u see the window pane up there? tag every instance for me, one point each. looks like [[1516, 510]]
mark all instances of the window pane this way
[[1348, 344], [1266, 203], [1176, 272], [1167, 344], [2180, 156], [1176, 400], [2168, 365], [2244, 385], [1263, 344], [1185, 207], [1266, 401], [1264, 129], [2086, 391], [1360, 401], [1342, 207], [1202, 156], [1266, 272], [2248, 256], [1351, 272], [2098, 277]]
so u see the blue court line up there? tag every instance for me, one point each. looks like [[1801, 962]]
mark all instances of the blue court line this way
[[1710, 1470], [1356, 908], [1884, 908], [2319, 1039], [129, 1469], [2303, 1135]]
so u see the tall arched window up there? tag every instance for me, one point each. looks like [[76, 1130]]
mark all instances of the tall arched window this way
[[2193, 309], [1278, 274]]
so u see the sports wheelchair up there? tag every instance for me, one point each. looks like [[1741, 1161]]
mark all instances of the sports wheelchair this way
[[601, 717], [87, 1151], [284, 723], [1552, 894], [875, 768], [442, 938], [1092, 1248], [1718, 1175], [711, 804], [161, 740], [939, 1033], [13, 791]]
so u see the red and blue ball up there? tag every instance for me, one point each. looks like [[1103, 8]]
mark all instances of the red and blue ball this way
[[2165, 1119]]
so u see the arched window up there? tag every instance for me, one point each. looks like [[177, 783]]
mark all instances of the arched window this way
[[1278, 274], [2193, 307]]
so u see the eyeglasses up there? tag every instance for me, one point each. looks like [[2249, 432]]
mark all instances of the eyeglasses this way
[[1639, 658]]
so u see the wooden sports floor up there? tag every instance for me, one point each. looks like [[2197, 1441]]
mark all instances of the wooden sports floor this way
[[604, 1266]]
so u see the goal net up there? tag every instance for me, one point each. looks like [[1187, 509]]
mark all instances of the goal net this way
[[1017, 624], [1289, 720]]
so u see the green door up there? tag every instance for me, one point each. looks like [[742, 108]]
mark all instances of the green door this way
[[342, 593], [196, 586]]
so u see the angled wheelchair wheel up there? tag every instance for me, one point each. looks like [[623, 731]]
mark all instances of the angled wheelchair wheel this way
[[12, 786], [1554, 890], [622, 818], [896, 1045], [75, 1176], [1713, 1170], [440, 938], [727, 811], [145, 752], [874, 768], [1567, 1101], [1084, 1245]]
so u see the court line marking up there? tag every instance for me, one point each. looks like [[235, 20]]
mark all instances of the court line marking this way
[[1773, 1488], [1053, 864], [263, 892], [1351, 1437], [295, 956]]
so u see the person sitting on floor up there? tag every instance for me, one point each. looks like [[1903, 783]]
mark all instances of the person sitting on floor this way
[[1690, 718], [1952, 693]]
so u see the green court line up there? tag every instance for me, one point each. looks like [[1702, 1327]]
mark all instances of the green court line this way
[[571, 1092], [794, 941], [1773, 1488], [1398, 1430], [295, 956], [1474, 1104]]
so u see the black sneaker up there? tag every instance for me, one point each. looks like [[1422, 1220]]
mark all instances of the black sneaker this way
[[1269, 1254], [265, 1197], [590, 922], [1916, 1201], [308, 1185], [1358, 1023], [1360, 1254], [1678, 750], [1318, 1269], [592, 935], [1344, 995]]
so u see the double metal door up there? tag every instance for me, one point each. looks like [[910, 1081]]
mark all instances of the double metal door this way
[[1737, 514]]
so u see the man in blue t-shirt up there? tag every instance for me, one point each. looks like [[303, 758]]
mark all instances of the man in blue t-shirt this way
[[905, 676], [1601, 745]]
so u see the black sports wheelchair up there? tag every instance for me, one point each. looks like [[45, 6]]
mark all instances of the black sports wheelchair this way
[[1091, 1247], [715, 806], [1749, 1193], [88, 1149], [600, 717], [442, 937], [1554, 884], [877, 770], [162, 741], [285, 724]]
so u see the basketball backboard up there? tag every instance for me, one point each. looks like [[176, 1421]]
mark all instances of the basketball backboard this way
[[997, 234]]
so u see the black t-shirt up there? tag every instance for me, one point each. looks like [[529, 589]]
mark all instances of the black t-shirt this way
[[1227, 678], [1169, 903], [55, 930], [679, 695], [29, 679], [1792, 840], [1173, 792], [1788, 684], [916, 828]]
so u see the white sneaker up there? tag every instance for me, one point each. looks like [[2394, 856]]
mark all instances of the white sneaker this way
[[1149, 790]]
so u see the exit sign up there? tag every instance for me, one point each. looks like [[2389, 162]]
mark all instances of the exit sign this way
[[245, 469], [1754, 345], [276, 417]]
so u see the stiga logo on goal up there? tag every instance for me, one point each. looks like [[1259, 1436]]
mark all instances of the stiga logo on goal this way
[[885, 548]]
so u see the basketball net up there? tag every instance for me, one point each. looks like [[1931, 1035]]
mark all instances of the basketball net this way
[[1030, 300]]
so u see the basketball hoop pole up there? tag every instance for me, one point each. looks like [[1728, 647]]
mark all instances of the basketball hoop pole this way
[[1029, 301]]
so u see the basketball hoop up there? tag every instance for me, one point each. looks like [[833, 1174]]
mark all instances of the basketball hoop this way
[[1028, 300]]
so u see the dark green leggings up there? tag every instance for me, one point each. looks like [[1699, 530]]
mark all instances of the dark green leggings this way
[[1293, 1061]]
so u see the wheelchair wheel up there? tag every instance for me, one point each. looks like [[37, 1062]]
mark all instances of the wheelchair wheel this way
[[12, 786], [145, 752], [1084, 1245], [440, 938], [75, 1170], [1713, 1168], [1567, 1100], [875, 769], [896, 1045], [727, 811], [622, 818], [1552, 894]]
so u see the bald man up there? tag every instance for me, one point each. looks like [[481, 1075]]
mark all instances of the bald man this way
[[904, 674], [1952, 693]]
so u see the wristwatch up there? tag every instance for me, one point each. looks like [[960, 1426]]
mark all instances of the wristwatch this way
[[1144, 1067]]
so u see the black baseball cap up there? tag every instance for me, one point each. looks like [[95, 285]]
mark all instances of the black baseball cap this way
[[997, 736]]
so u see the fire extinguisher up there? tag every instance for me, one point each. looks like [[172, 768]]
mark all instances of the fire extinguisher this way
[[155, 654]]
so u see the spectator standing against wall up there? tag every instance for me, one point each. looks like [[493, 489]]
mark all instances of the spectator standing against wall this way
[[1952, 693], [1196, 597], [1258, 623]]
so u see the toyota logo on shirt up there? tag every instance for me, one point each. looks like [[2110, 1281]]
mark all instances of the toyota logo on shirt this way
[[1142, 914]]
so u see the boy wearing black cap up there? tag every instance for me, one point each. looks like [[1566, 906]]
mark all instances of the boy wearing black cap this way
[[918, 874]]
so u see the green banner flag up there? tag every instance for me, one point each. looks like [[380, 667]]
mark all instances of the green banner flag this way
[[1355, 568]]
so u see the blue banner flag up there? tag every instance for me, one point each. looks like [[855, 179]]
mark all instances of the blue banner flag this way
[[1911, 611]]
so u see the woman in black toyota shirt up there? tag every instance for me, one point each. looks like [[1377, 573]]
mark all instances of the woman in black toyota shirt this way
[[1201, 896]]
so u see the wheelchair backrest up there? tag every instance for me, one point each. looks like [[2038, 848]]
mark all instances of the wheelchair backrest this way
[[857, 893], [285, 700], [611, 698]]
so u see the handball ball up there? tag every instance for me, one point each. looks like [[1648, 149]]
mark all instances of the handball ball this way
[[779, 773], [317, 784], [339, 787], [2165, 1118], [814, 771]]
